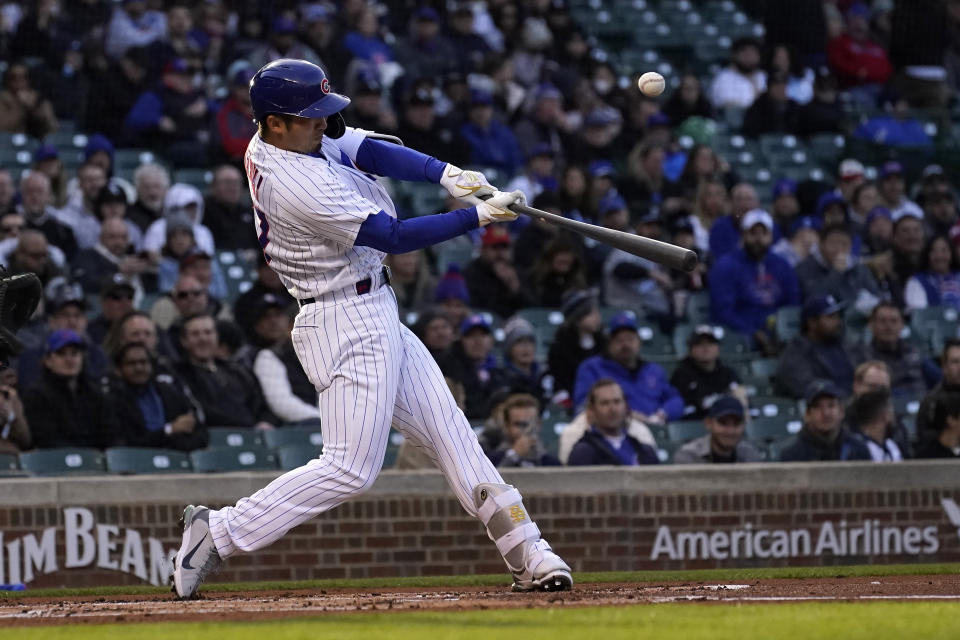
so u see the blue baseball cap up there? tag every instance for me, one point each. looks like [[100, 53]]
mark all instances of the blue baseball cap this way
[[828, 199], [97, 143], [474, 321], [428, 14], [45, 152], [623, 320], [783, 187], [611, 202], [726, 406], [821, 306], [479, 96], [541, 149], [804, 222], [878, 211], [599, 168], [820, 388], [859, 9], [283, 25], [601, 117], [547, 91], [891, 168], [658, 119], [64, 338]]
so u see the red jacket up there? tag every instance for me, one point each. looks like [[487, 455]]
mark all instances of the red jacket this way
[[235, 127], [857, 63]]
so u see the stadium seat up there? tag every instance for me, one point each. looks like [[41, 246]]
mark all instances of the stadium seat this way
[[199, 178], [65, 461], [8, 462], [787, 323], [698, 307], [235, 437], [757, 385], [763, 367], [766, 430], [684, 431], [545, 322], [773, 406], [550, 432], [297, 455], [777, 446], [458, 255], [145, 460], [286, 437], [222, 459]]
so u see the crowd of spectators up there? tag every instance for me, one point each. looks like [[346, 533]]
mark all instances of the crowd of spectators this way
[[523, 92]]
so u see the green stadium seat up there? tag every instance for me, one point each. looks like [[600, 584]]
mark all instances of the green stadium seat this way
[[757, 385], [773, 407], [222, 459], [8, 462], [144, 460], [235, 437], [297, 455], [763, 367], [698, 307], [550, 432], [289, 436], [766, 430], [545, 322], [458, 255], [777, 446], [827, 147], [666, 450], [787, 323], [132, 158], [684, 431], [906, 406], [65, 461], [199, 178]]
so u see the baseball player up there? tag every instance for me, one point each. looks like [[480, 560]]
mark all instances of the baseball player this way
[[325, 223]]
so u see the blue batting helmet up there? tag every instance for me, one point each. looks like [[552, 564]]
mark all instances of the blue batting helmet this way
[[293, 87]]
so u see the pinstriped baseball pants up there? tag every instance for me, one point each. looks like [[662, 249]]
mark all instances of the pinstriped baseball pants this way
[[370, 371]]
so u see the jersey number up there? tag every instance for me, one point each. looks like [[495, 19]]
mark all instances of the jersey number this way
[[264, 230]]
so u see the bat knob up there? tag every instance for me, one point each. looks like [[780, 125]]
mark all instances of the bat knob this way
[[689, 260]]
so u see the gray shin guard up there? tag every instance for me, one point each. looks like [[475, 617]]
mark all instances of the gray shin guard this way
[[500, 508]]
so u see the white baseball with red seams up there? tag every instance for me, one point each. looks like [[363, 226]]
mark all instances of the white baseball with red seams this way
[[651, 84], [369, 369]]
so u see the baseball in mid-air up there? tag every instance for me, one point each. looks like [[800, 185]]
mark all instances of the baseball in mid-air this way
[[651, 84]]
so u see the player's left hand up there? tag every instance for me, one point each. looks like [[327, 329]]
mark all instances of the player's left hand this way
[[494, 208], [466, 185]]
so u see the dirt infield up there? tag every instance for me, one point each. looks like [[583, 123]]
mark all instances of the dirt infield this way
[[27, 611]]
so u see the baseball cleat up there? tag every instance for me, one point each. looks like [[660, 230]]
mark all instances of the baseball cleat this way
[[197, 556], [543, 570]]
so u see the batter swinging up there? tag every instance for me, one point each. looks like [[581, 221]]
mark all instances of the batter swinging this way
[[325, 223]]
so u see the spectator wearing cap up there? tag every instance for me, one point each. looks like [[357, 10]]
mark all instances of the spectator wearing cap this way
[[850, 175], [603, 178], [578, 338], [535, 236], [905, 256], [151, 410], [739, 84], [364, 41], [822, 437], [133, 25], [425, 52], [288, 392], [832, 210], [521, 445], [472, 364], [644, 383], [64, 407], [492, 143], [522, 370], [832, 269], [46, 160], [492, 277], [319, 31], [893, 189], [594, 140], [234, 119], [228, 394], [939, 204], [855, 58], [539, 173], [174, 117], [938, 281], [116, 301], [112, 254], [281, 42], [896, 128], [544, 123], [772, 111], [151, 182], [870, 416], [877, 231], [436, 330], [749, 284], [904, 361], [823, 114], [112, 203], [786, 206], [817, 352], [180, 200], [725, 421], [22, 108], [267, 282], [802, 236], [424, 131], [411, 280], [201, 265], [946, 444], [607, 441], [701, 378], [36, 207], [727, 231]]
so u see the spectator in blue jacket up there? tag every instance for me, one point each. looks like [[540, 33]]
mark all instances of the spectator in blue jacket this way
[[895, 128], [725, 231], [748, 285], [607, 440], [644, 384], [492, 143]]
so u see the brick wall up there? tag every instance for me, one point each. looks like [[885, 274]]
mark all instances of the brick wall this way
[[386, 535]]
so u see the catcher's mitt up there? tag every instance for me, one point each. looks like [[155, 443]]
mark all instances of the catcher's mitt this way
[[19, 297]]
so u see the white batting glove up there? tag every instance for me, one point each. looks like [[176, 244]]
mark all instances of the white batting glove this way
[[465, 185], [494, 208]]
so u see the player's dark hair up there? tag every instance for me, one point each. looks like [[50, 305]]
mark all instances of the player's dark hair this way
[[600, 384]]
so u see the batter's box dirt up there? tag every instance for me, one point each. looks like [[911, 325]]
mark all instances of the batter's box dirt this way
[[28, 611]]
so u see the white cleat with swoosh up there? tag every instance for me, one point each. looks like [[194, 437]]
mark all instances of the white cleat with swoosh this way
[[197, 556]]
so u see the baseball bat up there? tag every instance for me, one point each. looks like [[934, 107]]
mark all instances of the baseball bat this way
[[669, 255]]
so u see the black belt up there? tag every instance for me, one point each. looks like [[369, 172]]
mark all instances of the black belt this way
[[361, 286]]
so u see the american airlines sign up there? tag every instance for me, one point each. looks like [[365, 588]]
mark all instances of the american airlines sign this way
[[836, 538], [86, 543]]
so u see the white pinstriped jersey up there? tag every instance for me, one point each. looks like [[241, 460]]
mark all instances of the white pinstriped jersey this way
[[308, 211]]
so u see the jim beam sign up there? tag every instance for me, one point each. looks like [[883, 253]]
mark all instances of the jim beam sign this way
[[87, 543], [836, 538]]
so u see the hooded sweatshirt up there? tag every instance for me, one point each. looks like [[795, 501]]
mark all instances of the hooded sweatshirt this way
[[178, 198]]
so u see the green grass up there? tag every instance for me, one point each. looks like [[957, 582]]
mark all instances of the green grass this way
[[493, 580], [807, 621]]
